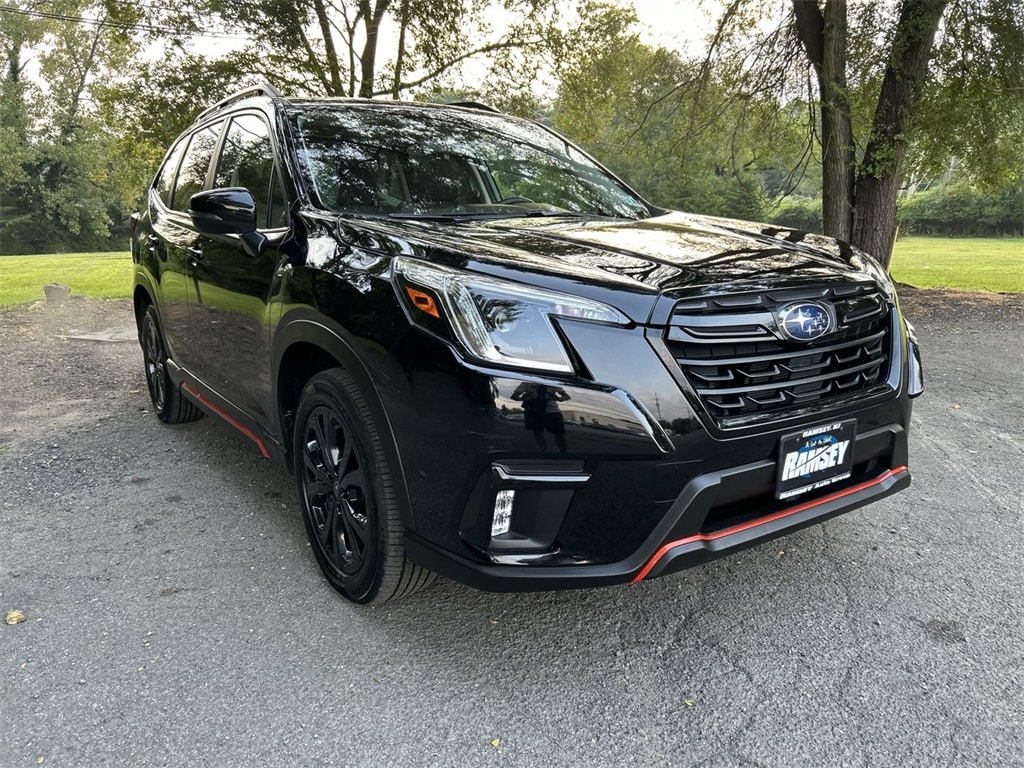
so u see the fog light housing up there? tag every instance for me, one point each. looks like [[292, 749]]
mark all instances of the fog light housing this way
[[916, 384], [501, 521]]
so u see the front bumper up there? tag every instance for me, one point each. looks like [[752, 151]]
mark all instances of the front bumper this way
[[663, 553], [691, 550], [636, 487]]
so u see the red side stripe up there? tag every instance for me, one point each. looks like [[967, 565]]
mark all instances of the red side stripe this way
[[762, 520], [248, 433]]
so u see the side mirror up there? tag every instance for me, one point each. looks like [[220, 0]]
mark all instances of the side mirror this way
[[229, 211], [223, 211]]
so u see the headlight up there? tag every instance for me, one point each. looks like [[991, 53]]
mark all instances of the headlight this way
[[878, 273], [496, 320], [911, 331]]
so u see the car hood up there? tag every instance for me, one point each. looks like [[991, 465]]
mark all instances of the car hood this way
[[677, 251], [633, 262]]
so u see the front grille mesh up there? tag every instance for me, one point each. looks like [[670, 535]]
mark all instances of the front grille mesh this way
[[729, 349]]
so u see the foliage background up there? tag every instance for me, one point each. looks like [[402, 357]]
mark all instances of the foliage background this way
[[95, 90]]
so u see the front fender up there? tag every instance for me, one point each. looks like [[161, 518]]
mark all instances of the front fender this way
[[306, 343]]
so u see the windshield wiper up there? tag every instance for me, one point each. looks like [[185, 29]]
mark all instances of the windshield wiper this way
[[432, 216], [488, 216], [540, 212], [526, 213]]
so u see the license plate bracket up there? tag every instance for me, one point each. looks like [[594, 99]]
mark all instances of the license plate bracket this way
[[814, 458]]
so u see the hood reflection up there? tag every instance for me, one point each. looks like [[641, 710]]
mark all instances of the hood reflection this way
[[679, 250]]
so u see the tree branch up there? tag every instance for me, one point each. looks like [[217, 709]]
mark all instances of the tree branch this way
[[442, 68]]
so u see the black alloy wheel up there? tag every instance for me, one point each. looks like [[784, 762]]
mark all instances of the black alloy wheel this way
[[335, 486], [347, 495], [170, 405]]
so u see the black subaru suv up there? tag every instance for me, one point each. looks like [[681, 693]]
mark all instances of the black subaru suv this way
[[482, 355]]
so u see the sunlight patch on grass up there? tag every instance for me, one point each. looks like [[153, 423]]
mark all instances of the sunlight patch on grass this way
[[99, 275], [963, 264]]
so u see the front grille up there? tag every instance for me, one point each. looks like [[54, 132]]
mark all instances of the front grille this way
[[734, 357]]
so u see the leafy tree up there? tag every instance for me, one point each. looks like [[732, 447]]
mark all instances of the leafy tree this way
[[18, 32], [362, 48], [798, 212], [670, 127], [61, 187], [314, 47], [894, 84], [963, 209], [973, 105]]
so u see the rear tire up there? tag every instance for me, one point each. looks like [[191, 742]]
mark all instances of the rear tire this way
[[347, 494], [170, 405]]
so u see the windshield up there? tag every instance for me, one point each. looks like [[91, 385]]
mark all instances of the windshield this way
[[409, 161]]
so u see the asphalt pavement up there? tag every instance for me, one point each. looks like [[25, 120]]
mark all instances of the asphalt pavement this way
[[174, 615]]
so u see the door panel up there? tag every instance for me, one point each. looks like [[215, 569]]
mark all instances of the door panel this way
[[173, 226], [229, 310], [175, 285]]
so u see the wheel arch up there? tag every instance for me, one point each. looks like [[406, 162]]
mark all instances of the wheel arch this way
[[307, 344], [142, 297]]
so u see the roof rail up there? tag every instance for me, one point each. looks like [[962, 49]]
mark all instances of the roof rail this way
[[245, 93], [474, 105]]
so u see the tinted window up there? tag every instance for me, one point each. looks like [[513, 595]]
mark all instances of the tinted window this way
[[192, 176], [164, 183], [408, 160], [247, 160]]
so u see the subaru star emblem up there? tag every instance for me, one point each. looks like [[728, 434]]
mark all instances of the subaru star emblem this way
[[805, 321]]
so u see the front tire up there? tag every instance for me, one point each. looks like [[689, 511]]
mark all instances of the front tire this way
[[170, 405], [347, 493]]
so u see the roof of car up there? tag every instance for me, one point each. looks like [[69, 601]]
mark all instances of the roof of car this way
[[270, 91], [246, 93]]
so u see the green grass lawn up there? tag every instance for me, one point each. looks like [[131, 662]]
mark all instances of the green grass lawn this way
[[101, 275], [966, 264]]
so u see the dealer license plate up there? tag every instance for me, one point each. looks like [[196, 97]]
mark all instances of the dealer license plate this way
[[815, 458]]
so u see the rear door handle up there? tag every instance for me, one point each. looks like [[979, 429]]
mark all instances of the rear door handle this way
[[196, 254]]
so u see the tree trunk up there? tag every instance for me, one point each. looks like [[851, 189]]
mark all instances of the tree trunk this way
[[14, 62], [330, 52], [85, 68], [16, 42], [368, 61], [878, 180], [823, 35], [403, 24]]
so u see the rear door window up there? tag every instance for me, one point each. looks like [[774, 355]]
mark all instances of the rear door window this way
[[194, 167], [164, 184]]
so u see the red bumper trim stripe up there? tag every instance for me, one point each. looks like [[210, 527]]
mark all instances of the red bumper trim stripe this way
[[207, 404], [762, 520]]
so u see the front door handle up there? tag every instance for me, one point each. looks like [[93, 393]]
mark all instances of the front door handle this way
[[196, 254]]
